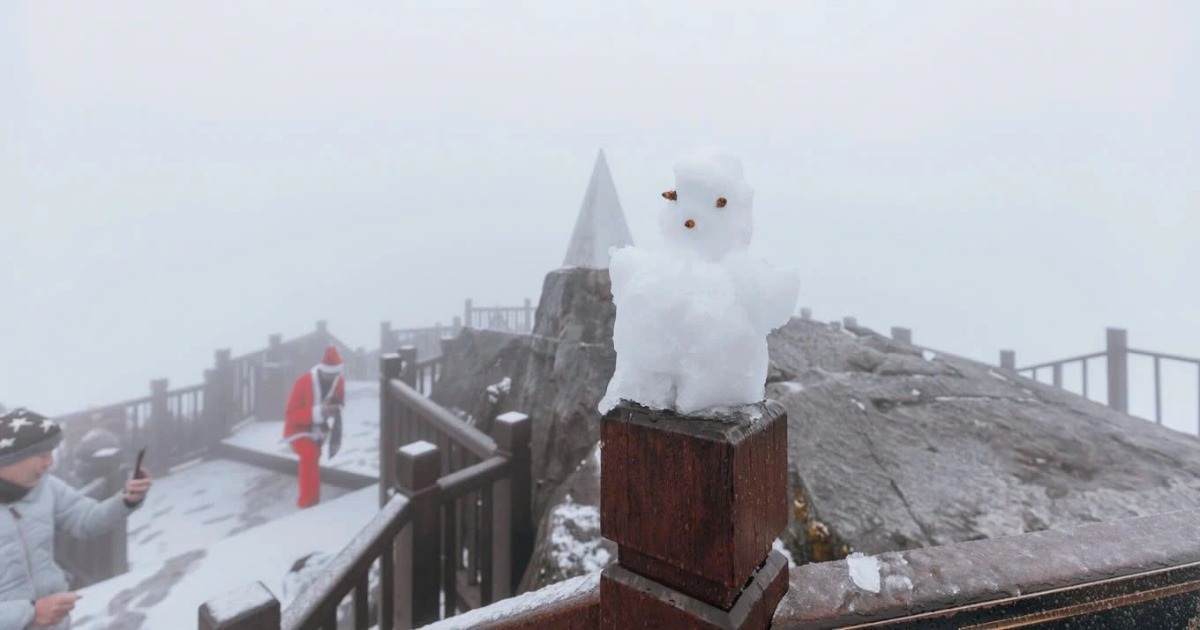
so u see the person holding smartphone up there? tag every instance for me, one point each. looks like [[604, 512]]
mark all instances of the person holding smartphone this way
[[33, 504]]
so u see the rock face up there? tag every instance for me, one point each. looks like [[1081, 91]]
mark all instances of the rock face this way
[[892, 448], [556, 375], [568, 542]]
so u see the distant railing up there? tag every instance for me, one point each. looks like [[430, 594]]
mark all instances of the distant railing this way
[[1114, 361], [1115, 358], [517, 319]]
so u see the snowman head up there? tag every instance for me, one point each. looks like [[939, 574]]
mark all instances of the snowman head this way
[[709, 212]]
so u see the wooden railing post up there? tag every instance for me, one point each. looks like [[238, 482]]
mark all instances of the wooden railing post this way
[[513, 530], [467, 314], [162, 432], [390, 366], [806, 313], [271, 396], [1117, 353], [409, 355], [458, 326], [903, 335], [418, 548], [529, 312], [251, 607], [694, 505], [229, 400], [322, 327], [386, 339], [1008, 360]]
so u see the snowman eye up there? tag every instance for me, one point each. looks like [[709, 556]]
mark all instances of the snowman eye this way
[[689, 224], [721, 202], [670, 195]]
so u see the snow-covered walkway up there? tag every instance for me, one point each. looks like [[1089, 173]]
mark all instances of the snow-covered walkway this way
[[214, 525]]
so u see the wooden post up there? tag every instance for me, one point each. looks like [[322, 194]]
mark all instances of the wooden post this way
[[528, 316], [1008, 360], [513, 529], [389, 368], [322, 327], [418, 549], [806, 313], [386, 339], [1117, 353], [229, 404], [458, 325], [271, 395], [850, 322], [163, 435], [903, 335], [251, 607], [408, 355], [212, 411], [467, 314], [694, 505]]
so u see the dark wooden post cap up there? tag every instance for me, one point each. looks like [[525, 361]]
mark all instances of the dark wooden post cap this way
[[250, 606], [695, 503]]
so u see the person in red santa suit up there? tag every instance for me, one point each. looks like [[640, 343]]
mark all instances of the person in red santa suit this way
[[317, 396]]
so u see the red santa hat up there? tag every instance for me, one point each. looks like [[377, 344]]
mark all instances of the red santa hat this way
[[331, 363]]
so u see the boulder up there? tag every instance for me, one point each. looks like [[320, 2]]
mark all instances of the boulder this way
[[892, 447]]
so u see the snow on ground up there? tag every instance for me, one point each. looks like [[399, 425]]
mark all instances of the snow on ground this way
[[168, 594], [207, 501], [360, 433]]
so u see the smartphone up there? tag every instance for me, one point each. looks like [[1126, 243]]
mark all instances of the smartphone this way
[[137, 468]]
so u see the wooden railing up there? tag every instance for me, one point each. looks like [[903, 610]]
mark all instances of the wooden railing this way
[[517, 319], [1116, 361], [454, 531], [1075, 373]]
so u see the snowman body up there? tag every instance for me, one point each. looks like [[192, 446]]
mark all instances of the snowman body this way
[[693, 317]]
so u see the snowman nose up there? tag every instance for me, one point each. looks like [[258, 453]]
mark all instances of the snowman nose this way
[[689, 224]]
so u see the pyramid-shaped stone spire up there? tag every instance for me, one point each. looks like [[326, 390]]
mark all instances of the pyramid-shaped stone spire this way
[[601, 223]]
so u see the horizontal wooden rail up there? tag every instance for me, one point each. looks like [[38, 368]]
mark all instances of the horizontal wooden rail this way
[[344, 573], [476, 442], [1083, 357], [472, 478], [1164, 355]]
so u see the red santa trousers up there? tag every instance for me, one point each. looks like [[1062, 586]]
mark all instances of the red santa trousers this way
[[310, 472]]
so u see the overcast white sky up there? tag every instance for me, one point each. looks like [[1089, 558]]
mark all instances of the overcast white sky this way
[[175, 179]]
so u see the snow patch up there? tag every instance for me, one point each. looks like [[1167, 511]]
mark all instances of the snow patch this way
[[864, 571], [898, 583], [995, 374], [778, 546], [928, 355], [420, 447], [860, 405], [568, 548], [496, 391]]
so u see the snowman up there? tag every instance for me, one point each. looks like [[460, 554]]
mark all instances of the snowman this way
[[693, 316]]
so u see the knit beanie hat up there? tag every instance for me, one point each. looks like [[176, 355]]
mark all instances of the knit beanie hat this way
[[24, 433], [331, 363]]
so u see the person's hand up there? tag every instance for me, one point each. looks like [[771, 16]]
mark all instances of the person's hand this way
[[51, 609], [136, 489]]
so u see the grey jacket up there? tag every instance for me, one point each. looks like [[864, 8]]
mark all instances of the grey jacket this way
[[27, 567]]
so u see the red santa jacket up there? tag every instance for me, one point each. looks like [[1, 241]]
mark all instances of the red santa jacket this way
[[303, 408]]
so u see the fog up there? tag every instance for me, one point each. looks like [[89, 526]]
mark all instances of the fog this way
[[177, 179]]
